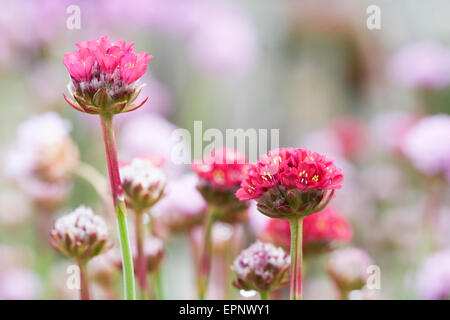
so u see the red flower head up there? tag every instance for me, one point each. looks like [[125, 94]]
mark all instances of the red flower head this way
[[289, 181], [104, 76], [220, 175], [321, 231]]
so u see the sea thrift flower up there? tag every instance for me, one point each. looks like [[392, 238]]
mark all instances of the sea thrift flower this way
[[43, 158], [289, 182], [321, 232], [220, 176], [104, 82], [80, 234], [348, 269], [143, 184], [261, 267], [433, 278], [104, 76], [422, 65], [427, 144]]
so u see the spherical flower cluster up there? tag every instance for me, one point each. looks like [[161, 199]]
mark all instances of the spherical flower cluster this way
[[289, 181], [433, 278], [44, 158], [348, 268], [422, 65], [80, 234], [261, 267], [104, 76], [143, 184], [321, 231], [220, 176], [427, 145]]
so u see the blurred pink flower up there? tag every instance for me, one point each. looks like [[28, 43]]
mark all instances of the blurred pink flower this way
[[433, 277], [150, 134], [422, 65], [389, 128], [427, 144], [19, 284], [182, 206], [224, 41]]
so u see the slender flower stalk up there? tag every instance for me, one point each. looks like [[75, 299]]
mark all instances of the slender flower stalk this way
[[141, 265], [204, 267], [119, 204], [84, 286], [296, 257], [291, 184]]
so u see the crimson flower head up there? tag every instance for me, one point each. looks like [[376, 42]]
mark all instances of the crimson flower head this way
[[105, 76], [322, 231], [288, 182], [220, 175]]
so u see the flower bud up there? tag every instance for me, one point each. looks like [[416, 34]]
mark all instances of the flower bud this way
[[142, 183], [348, 268], [80, 235], [261, 267]]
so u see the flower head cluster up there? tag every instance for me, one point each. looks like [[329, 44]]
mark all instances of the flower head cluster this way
[[143, 184], [261, 267], [220, 176], [44, 158], [104, 76], [321, 231], [348, 268], [427, 145], [433, 278], [80, 234], [290, 181]]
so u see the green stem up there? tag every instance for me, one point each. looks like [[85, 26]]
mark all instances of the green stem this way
[[157, 278], [84, 286], [119, 204], [296, 257], [204, 268], [264, 295]]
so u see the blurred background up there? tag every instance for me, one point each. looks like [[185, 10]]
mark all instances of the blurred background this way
[[377, 101]]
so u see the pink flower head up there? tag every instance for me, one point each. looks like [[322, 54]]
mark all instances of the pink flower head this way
[[290, 181], [321, 231], [224, 168], [104, 76], [220, 175]]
